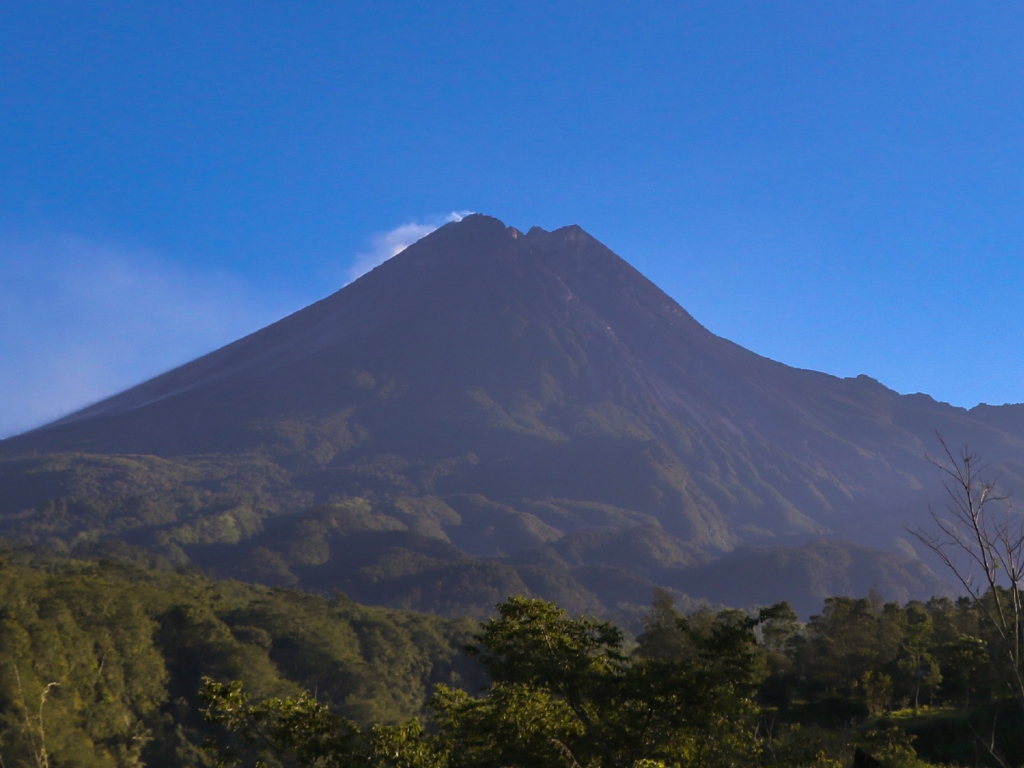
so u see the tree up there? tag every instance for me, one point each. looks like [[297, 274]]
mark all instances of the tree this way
[[980, 540], [300, 731], [563, 694], [917, 667], [300, 727]]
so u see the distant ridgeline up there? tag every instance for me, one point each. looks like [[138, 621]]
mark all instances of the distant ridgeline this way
[[491, 413], [102, 662]]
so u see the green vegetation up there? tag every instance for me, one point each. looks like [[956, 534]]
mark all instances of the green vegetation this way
[[563, 692], [409, 546], [863, 681], [101, 661], [700, 690]]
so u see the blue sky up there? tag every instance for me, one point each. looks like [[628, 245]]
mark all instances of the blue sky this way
[[834, 185]]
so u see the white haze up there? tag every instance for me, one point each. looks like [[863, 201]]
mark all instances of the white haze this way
[[80, 321]]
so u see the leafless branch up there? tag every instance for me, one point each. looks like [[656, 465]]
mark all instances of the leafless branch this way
[[980, 539]]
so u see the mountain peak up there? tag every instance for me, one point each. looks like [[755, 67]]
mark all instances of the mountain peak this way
[[528, 352], [481, 227], [475, 225], [455, 301], [500, 391]]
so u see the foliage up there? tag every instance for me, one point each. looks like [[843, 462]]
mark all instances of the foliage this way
[[301, 726], [436, 534], [120, 651], [564, 693], [710, 689], [101, 661]]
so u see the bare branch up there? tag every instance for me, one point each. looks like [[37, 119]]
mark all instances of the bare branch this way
[[982, 535]]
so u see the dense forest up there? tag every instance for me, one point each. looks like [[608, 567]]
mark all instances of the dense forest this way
[[129, 661], [863, 683], [101, 661]]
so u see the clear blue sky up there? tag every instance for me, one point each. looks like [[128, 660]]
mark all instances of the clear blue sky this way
[[836, 185]]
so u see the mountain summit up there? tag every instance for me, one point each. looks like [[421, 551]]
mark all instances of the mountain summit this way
[[514, 396], [473, 306]]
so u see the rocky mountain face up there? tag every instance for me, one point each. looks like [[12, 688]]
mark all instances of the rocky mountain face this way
[[492, 410]]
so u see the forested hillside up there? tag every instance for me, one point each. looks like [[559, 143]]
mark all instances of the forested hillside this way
[[102, 663], [119, 651], [864, 683], [411, 553]]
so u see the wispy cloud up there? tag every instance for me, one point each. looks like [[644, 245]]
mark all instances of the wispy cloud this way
[[80, 321], [391, 243]]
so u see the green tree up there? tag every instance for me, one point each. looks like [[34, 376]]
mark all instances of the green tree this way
[[297, 731], [916, 665], [564, 693]]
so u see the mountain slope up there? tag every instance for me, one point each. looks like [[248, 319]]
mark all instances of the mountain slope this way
[[496, 392]]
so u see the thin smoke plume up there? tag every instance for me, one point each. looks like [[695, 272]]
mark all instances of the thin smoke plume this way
[[391, 243]]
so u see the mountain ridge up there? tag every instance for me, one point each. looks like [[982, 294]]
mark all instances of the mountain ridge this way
[[489, 388]]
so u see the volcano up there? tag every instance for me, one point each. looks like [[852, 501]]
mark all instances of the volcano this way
[[525, 411]]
